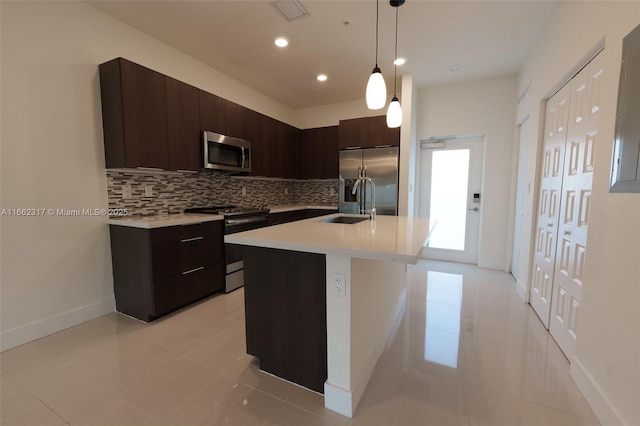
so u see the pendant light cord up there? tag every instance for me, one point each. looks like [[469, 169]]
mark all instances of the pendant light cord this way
[[395, 65], [377, 12]]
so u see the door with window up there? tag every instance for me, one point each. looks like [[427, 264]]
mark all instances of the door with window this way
[[450, 195]]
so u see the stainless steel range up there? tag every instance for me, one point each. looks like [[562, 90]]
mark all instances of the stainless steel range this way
[[236, 219]]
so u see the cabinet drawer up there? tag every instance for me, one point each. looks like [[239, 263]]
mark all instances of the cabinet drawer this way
[[185, 232], [176, 257], [179, 290]]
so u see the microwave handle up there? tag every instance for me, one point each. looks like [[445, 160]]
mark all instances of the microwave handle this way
[[242, 165]]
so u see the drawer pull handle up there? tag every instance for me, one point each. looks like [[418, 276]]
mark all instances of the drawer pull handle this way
[[191, 239], [193, 270]]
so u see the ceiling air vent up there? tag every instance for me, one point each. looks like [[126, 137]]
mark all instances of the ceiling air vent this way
[[290, 9]]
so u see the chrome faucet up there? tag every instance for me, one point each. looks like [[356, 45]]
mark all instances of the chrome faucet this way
[[361, 182]]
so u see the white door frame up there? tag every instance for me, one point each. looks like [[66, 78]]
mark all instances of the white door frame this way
[[455, 255]]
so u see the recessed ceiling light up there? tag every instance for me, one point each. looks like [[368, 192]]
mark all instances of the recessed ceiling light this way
[[322, 77], [455, 68], [281, 42], [400, 61]]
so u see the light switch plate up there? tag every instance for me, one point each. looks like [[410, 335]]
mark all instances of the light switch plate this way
[[148, 191]]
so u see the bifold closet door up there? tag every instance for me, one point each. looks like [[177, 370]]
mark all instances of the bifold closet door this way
[[555, 136], [580, 151]]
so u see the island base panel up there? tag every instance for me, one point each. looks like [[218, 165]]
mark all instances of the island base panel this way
[[285, 312]]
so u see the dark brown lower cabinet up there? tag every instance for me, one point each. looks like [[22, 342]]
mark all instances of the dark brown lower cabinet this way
[[156, 271], [285, 313], [293, 215]]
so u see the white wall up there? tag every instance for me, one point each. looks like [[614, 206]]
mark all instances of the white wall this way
[[408, 151], [480, 107], [606, 365], [56, 271], [330, 115]]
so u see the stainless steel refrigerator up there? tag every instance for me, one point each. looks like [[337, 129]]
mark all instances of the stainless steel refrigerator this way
[[381, 165]]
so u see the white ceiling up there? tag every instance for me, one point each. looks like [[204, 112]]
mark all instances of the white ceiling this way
[[485, 38]]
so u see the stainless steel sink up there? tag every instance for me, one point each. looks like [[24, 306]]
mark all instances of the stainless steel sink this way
[[345, 219]]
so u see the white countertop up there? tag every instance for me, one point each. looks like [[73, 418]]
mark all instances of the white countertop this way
[[292, 207], [159, 221], [391, 238]]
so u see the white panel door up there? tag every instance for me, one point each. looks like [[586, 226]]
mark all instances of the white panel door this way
[[555, 128], [575, 204]]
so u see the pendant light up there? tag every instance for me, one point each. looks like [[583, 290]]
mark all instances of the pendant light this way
[[376, 88], [394, 113]]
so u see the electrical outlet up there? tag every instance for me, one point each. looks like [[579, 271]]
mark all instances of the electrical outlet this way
[[148, 191], [332, 192], [286, 191], [244, 191], [340, 285], [126, 191]]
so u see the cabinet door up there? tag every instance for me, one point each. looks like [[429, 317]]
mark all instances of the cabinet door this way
[[183, 126], [213, 113], [134, 115], [257, 135], [275, 149], [289, 137], [319, 153], [329, 152], [380, 134], [236, 120], [144, 110], [307, 153], [353, 133]]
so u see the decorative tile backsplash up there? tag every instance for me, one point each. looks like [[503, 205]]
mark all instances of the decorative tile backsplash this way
[[173, 192]]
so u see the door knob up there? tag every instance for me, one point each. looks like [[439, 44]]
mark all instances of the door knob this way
[[475, 209], [567, 232]]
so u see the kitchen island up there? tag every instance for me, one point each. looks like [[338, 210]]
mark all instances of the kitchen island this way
[[321, 298]]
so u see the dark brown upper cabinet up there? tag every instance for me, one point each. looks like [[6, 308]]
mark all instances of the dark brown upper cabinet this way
[[236, 120], [367, 132], [353, 133], [288, 140], [183, 126], [134, 115], [380, 134], [319, 153], [257, 134], [213, 113]]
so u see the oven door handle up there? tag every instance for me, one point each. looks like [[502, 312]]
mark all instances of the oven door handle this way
[[242, 153], [242, 221]]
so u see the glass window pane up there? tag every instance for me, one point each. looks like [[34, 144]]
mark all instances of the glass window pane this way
[[449, 186]]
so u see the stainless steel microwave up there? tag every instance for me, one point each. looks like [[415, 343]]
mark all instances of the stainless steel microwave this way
[[226, 152]]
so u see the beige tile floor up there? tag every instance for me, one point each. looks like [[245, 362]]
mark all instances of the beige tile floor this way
[[466, 351]]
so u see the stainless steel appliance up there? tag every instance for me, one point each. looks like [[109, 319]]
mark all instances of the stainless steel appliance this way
[[226, 152], [379, 164], [236, 219]]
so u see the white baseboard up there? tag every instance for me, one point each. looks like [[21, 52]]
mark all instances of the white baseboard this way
[[37, 329], [345, 401], [491, 265], [522, 291], [338, 399], [600, 404]]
